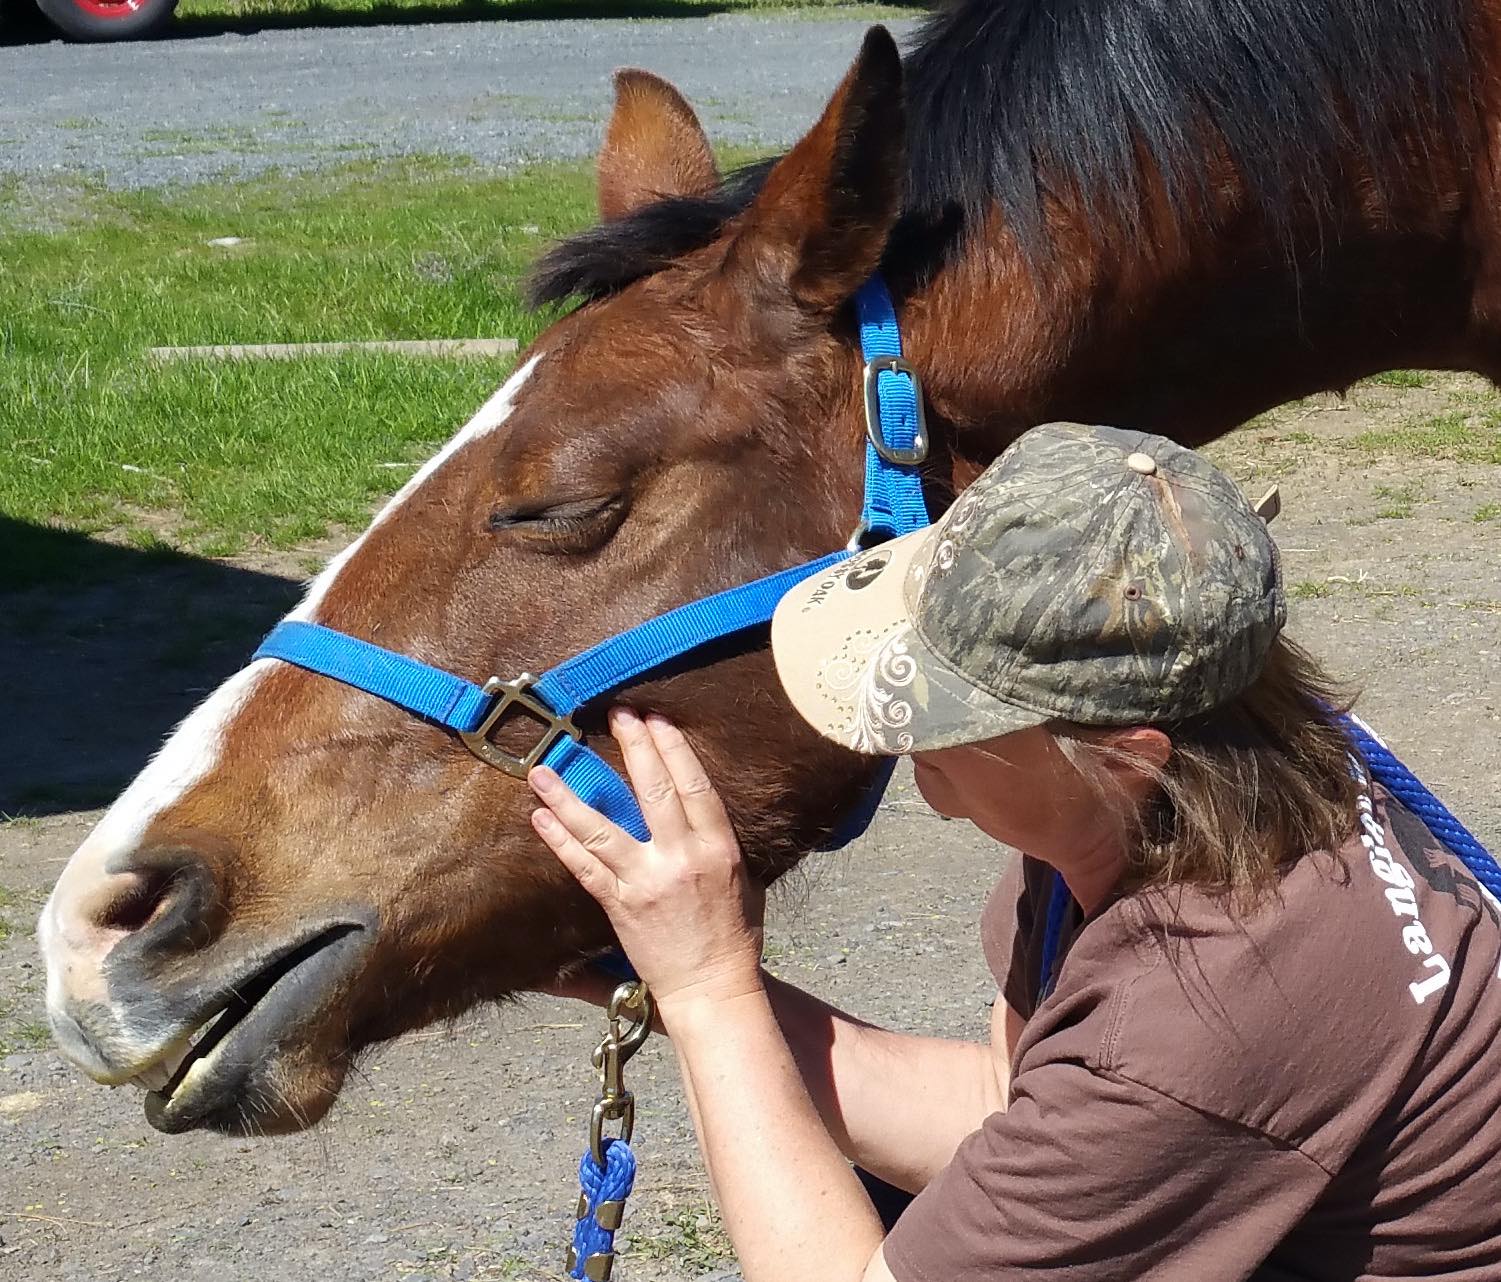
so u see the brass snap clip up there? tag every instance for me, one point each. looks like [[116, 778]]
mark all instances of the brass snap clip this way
[[630, 1014]]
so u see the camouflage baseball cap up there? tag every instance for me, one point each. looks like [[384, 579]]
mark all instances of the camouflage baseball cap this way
[[1101, 576]]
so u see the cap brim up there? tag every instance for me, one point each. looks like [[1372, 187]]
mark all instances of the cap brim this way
[[859, 672]]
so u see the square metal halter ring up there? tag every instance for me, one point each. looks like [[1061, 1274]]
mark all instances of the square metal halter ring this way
[[909, 456], [517, 693]]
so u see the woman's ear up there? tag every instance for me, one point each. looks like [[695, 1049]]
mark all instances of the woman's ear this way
[[1138, 755]]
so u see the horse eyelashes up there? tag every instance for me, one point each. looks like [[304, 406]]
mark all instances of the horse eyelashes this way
[[564, 527]]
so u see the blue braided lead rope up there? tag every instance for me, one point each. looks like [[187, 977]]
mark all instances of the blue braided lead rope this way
[[1407, 788], [603, 1198], [1059, 902]]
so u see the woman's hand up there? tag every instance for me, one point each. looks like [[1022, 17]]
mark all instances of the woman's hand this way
[[683, 906]]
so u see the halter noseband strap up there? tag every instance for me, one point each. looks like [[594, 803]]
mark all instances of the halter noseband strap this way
[[896, 444]]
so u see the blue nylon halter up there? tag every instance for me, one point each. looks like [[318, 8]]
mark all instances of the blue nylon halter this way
[[893, 505]]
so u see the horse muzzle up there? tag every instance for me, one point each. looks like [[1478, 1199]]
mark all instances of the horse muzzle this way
[[144, 988]]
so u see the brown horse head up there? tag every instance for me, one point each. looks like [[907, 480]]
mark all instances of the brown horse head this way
[[320, 870], [1085, 213]]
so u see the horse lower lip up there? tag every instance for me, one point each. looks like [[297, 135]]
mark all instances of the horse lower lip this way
[[157, 1078], [231, 1045]]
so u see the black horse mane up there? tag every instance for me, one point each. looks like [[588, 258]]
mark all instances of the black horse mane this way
[[1008, 100]]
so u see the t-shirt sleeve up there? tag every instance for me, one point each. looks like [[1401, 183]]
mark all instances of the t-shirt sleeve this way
[[1091, 1176]]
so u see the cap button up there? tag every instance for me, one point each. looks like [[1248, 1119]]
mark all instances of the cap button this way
[[1143, 463]]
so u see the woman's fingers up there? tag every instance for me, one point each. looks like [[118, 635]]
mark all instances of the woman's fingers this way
[[696, 792], [595, 834], [650, 779], [591, 872]]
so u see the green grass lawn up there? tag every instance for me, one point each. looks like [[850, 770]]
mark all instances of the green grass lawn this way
[[214, 457], [1470, 435], [208, 456]]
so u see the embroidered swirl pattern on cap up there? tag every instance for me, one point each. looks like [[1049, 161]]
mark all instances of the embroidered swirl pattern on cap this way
[[959, 516], [880, 689]]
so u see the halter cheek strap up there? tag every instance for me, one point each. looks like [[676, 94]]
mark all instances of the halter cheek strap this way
[[896, 445]]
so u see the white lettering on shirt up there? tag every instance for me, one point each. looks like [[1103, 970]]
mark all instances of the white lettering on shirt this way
[[1402, 901], [1434, 983], [1416, 939], [1399, 889]]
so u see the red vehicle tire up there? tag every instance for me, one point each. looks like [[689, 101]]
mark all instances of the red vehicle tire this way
[[107, 19]]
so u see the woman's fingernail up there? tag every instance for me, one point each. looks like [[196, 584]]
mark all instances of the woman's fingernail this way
[[543, 819], [620, 715], [544, 778]]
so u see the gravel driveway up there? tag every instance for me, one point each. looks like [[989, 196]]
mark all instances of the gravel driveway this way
[[450, 1156], [195, 108]]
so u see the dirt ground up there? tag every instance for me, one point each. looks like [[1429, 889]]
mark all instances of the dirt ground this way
[[452, 1154]]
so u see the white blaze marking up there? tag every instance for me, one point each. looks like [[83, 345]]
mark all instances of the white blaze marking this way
[[180, 762], [194, 747], [491, 415], [72, 956]]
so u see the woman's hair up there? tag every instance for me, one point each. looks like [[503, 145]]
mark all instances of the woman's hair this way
[[1247, 788]]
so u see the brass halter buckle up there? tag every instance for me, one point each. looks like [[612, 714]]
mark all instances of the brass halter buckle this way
[[516, 693]]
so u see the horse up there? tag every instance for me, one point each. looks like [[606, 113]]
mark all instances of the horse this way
[[1169, 216]]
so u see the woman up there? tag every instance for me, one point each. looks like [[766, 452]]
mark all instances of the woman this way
[[1262, 1047]]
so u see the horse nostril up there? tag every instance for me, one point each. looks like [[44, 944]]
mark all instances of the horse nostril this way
[[138, 902], [148, 910], [172, 903]]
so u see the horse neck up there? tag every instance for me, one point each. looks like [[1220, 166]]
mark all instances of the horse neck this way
[[1219, 324]]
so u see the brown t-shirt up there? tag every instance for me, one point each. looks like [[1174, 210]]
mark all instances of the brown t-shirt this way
[[1308, 1091]]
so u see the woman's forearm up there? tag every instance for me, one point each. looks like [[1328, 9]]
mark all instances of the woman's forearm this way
[[895, 1104], [793, 1207]]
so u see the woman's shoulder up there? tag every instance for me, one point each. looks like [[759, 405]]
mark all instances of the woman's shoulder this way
[[1301, 1014], [1378, 920]]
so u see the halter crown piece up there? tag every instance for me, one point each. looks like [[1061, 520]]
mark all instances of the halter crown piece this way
[[896, 445]]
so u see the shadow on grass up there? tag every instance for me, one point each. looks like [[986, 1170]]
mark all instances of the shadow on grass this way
[[26, 28], [104, 649]]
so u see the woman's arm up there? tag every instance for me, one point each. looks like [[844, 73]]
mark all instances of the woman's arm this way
[[689, 918], [792, 1204], [896, 1104]]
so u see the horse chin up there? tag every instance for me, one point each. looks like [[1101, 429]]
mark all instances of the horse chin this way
[[263, 1064]]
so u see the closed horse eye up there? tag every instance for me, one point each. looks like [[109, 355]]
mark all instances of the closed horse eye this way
[[578, 525]]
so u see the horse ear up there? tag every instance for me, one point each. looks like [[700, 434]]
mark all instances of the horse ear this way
[[820, 223], [654, 147]]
